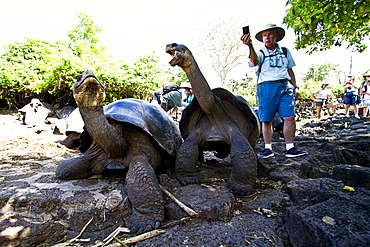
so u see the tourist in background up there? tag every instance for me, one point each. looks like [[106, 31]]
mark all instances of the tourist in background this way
[[322, 98], [350, 96]]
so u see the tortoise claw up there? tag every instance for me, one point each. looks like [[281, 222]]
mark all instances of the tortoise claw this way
[[185, 180], [142, 224]]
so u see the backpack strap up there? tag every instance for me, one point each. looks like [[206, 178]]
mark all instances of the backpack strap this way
[[260, 67], [285, 51]]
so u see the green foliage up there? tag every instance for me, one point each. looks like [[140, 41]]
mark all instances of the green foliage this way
[[85, 30], [246, 89], [25, 68], [320, 25], [176, 76], [138, 80], [322, 72], [48, 70], [319, 73]]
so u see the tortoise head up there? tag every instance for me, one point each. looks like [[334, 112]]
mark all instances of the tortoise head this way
[[88, 90], [181, 55]]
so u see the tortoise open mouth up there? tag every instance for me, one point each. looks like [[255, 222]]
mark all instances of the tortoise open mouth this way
[[172, 49], [87, 77]]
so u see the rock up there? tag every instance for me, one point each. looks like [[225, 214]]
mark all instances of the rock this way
[[321, 199], [209, 202], [41, 204], [352, 175]]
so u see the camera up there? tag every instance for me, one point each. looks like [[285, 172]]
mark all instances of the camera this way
[[245, 30]]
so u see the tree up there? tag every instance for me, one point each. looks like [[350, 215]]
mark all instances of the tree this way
[[86, 30], [320, 25], [318, 73], [223, 46], [48, 70], [175, 75]]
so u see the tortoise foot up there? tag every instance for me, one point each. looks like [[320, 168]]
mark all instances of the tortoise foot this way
[[140, 223], [75, 168], [185, 180], [239, 189]]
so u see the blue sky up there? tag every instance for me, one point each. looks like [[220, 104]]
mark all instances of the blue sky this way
[[135, 28]]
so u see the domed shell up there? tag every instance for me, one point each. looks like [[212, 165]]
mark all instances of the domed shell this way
[[240, 104], [149, 117]]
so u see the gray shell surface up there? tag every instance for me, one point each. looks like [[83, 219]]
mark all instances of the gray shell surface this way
[[149, 117], [224, 95]]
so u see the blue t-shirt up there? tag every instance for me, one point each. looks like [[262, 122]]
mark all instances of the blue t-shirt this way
[[275, 66]]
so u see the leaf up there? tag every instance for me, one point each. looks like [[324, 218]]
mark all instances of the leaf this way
[[325, 23], [328, 220], [348, 188]]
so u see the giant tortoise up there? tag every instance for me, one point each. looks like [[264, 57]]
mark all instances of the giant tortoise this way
[[215, 120], [128, 133]]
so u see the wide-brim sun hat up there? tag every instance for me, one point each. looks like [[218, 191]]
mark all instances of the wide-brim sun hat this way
[[185, 85], [270, 26]]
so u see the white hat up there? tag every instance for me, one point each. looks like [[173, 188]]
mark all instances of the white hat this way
[[185, 84], [270, 26], [35, 101]]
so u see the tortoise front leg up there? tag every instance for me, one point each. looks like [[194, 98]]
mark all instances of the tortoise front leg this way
[[145, 195], [93, 161], [186, 161], [244, 166]]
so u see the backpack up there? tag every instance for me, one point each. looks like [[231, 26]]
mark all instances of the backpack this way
[[170, 100], [170, 88], [285, 52]]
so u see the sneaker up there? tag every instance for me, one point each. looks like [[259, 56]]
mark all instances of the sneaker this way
[[357, 116], [293, 152], [266, 153]]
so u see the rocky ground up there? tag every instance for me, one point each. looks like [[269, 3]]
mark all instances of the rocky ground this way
[[322, 199]]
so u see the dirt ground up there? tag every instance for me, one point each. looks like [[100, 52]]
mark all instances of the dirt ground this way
[[22, 144]]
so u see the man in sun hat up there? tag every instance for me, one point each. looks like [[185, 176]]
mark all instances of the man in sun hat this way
[[277, 87]]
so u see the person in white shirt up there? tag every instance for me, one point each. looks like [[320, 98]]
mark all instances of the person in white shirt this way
[[322, 98], [277, 87], [365, 92]]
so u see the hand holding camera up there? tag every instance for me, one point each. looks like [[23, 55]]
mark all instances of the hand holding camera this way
[[246, 39]]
